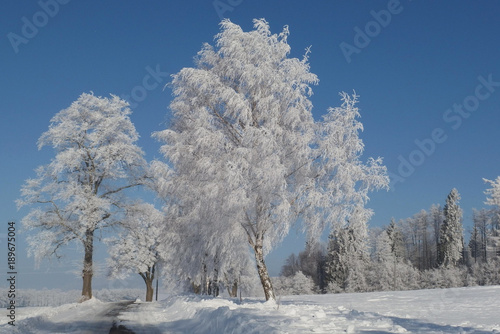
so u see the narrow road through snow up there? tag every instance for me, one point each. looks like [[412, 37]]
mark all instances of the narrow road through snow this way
[[90, 317], [93, 320]]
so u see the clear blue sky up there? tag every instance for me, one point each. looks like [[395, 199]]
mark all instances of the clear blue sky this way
[[413, 70]]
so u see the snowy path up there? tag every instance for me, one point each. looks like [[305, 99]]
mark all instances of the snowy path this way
[[91, 317]]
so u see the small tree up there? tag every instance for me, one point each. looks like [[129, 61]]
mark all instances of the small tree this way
[[297, 284], [451, 236], [82, 190], [139, 247]]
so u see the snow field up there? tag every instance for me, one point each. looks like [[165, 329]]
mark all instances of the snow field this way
[[473, 310], [460, 310]]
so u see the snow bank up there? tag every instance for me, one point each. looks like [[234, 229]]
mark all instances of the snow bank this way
[[464, 310]]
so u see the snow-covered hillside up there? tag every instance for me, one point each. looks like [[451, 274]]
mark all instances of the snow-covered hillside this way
[[460, 310]]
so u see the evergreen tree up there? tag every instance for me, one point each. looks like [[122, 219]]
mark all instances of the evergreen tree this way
[[336, 270], [347, 256], [451, 235], [291, 266], [494, 200], [396, 240], [437, 218], [474, 244], [389, 270]]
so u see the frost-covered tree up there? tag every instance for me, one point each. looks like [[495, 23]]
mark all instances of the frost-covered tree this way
[[451, 235], [395, 238], [347, 257], [297, 284], [493, 193], [494, 200], [240, 135], [140, 245], [248, 158], [419, 240], [478, 242], [342, 180], [291, 266], [82, 190], [390, 270], [436, 218], [310, 262]]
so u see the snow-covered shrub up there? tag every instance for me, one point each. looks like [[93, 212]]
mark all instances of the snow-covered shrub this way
[[298, 284], [487, 273], [333, 287], [445, 277]]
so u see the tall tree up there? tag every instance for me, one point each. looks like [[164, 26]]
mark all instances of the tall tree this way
[[437, 218], [82, 189], [240, 135], [451, 236], [396, 241], [493, 192], [494, 200], [243, 143]]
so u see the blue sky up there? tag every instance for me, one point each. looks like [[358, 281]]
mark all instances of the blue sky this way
[[428, 76]]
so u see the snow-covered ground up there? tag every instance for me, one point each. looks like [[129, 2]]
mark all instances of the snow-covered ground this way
[[461, 310]]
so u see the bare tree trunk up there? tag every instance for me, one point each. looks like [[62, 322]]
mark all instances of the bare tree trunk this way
[[262, 270], [87, 271], [149, 290], [255, 233], [233, 290], [148, 278], [213, 286]]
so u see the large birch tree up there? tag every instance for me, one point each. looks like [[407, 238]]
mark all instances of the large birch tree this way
[[248, 158]]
